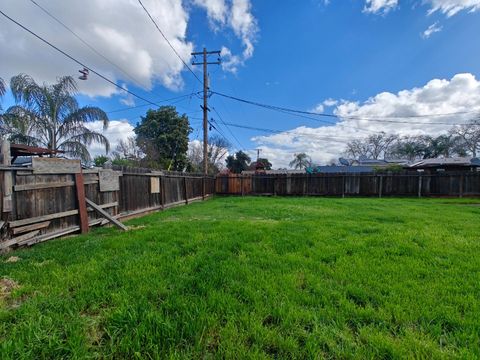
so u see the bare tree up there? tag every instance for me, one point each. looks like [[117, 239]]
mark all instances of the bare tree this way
[[128, 149], [373, 147], [218, 148], [470, 135]]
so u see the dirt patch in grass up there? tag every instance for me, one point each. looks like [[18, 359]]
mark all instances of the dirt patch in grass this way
[[6, 287], [12, 259]]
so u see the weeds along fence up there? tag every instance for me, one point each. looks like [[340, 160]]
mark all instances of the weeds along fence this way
[[362, 184], [55, 197]]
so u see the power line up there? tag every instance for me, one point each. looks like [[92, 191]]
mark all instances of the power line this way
[[230, 131], [86, 43], [161, 101], [78, 61], [294, 132], [377, 119], [168, 42]]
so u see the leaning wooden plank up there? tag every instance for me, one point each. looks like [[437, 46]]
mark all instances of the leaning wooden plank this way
[[55, 166], [105, 214], [19, 239], [43, 186], [51, 235], [42, 218], [20, 230], [104, 206]]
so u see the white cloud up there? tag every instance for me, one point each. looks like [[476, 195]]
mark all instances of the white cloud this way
[[432, 29], [379, 6], [121, 31], [447, 7], [459, 94], [330, 102], [237, 15], [452, 7], [117, 130], [319, 108]]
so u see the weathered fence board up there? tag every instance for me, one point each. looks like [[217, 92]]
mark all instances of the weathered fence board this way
[[45, 202], [403, 184]]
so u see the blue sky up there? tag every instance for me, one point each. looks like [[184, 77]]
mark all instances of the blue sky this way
[[357, 53]]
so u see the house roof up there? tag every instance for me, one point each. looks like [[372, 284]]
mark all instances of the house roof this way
[[458, 161], [26, 150], [344, 169]]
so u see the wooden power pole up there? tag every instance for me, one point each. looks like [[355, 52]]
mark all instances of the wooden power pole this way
[[205, 64]]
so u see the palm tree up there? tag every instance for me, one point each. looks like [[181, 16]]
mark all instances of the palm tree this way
[[300, 161], [49, 116], [2, 87]]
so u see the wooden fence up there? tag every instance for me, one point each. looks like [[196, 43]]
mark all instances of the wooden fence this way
[[404, 184], [45, 201]]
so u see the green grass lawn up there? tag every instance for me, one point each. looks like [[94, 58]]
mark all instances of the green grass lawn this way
[[255, 278]]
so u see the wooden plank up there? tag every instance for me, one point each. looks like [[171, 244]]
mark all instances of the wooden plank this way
[[42, 218], [154, 185], [18, 240], [55, 166], [37, 226], [51, 235], [105, 214], [104, 206], [43, 186], [82, 205], [109, 180]]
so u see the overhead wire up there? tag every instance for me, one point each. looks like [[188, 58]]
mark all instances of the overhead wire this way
[[78, 61], [91, 47], [168, 41], [377, 119]]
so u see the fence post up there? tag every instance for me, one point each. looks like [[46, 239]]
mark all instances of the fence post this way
[[241, 185], [162, 189], [82, 204], [274, 186], [419, 185], [203, 187], [460, 191], [185, 192], [380, 188], [343, 185], [162, 201], [7, 178]]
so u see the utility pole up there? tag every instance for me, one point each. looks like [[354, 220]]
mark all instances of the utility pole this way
[[205, 64], [258, 153]]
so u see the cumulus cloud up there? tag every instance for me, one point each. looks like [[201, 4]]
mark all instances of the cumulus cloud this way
[[118, 29], [236, 15], [388, 112], [117, 130], [379, 6], [452, 7], [432, 29]]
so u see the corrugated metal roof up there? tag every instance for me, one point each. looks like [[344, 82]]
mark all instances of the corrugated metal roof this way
[[458, 161]]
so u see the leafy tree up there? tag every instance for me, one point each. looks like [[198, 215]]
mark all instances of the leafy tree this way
[[300, 161], [411, 148], [100, 160], [162, 135], [238, 162], [2, 90], [469, 135], [49, 116]]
